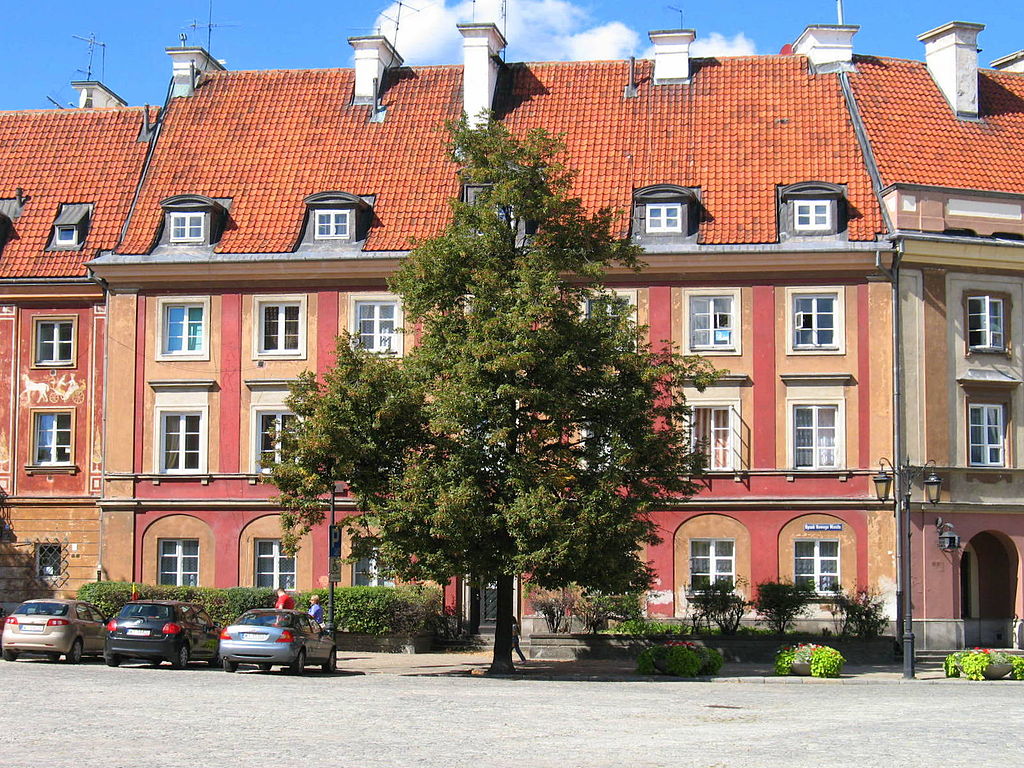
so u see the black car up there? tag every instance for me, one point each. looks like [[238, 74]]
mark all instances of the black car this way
[[159, 630]]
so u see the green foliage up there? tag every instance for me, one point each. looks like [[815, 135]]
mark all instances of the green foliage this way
[[595, 609], [784, 660], [1018, 667], [973, 663], [951, 664], [644, 627], [824, 661], [859, 614], [679, 658], [717, 605], [238, 600], [780, 603]]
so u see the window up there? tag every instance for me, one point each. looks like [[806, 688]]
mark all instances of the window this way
[[332, 225], [610, 304], [712, 436], [49, 561], [188, 227], [271, 426], [365, 574], [280, 327], [181, 447], [52, 438], [987, 436], [179, 562], [711, 322], [985, 323], [273, 568], [812, 215], [814, 321], [184, 329], [375, 325], [712, 561], [65, 235], [55, 342], [816, 562], [664, 217], [814, 437]]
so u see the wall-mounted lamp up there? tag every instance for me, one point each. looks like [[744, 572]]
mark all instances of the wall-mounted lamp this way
[[948, 540]]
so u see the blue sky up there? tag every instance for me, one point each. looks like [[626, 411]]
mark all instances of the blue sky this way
[[39, 57]]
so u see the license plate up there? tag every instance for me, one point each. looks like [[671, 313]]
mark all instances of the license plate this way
[[253, 636], [139, 632], [31, 627]]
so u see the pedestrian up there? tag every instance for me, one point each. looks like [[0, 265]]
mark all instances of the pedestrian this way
[[316, 611], [515, 639], [285, 601]]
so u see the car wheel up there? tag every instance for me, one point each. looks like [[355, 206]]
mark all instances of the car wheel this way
[[113, 660], [298, 666], [265, 667], [229, 665], [74, 655], [214, 661], [10, 655], [181, 660], [331, 665]]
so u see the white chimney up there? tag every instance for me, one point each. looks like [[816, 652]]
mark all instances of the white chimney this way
[[672, 55], [481, 44], [187, 64], [93, 94], [951, 53], [1013, 62], [374, 56], [828, 47]]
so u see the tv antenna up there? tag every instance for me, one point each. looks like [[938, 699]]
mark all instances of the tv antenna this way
[[398, 16], [93, 44], [209, 26], [839, 12], [55, 103], [679, 11]]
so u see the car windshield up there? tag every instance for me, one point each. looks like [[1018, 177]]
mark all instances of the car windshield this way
[[43, 609], [146, 611], [266, 620]]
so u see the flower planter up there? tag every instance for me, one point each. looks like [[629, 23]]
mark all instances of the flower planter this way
[[996, 671], [800, 668]]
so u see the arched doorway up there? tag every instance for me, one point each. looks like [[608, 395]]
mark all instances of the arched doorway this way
[[988, 590]]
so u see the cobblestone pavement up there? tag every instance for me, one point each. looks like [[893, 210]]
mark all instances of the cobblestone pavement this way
[[390, 712]]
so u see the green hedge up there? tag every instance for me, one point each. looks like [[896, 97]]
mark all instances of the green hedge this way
[[371, 610]]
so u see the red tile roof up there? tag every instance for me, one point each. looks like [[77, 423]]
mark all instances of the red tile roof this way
[[916, 138], [269, 139], [67, 156]]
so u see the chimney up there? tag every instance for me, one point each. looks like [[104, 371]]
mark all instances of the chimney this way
[[951, 54], [828, 47], [481, 44], [187, 65], [374, 56], [93, 94], [671, 55], [1013, 62]]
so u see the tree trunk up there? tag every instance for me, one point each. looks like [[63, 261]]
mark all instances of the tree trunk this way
[[501, 663]]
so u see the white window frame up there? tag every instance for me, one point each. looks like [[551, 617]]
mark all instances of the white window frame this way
[[993, 416], [186, 221], [838, 448], [994, 341], [260, 303], [714, 574], [663, 215], [276, 573], [162, 415], [838, 345], [60, 229], [52, 461], [374, 578], [333, 217], [257, 449], [398, 337], [164, 305], [37, 358], [816, 559], [713, 301], [813, 224], [179, 573], [730, 428]]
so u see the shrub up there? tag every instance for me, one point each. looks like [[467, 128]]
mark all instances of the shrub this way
[[643, 627], [555, 605], [594, 609], [780, 603], [824, 661], [679, 658], [717, 604], [860, 614]]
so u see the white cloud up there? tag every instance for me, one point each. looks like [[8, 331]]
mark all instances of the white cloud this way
[[717, 44], [609, 41]]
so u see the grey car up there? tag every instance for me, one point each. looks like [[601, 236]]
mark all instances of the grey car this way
[[271, 637]]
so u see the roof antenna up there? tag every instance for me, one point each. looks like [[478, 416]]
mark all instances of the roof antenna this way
[[209, 26], [398, 16], [679, 11], [93, 45], [504, 23], [839, 12], [55, 103]]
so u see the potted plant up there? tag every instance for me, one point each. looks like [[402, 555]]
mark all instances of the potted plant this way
[[809, 659], [983, 664]]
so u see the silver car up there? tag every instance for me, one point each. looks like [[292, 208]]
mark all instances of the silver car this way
[[271, 637], [54, 627]]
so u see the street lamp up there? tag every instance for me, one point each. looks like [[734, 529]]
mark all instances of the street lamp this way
[[904, 477], [948, 540]]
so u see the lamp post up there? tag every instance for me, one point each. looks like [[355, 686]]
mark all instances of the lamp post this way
[[904, 476]]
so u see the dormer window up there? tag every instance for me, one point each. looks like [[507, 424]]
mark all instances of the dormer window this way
[[65, 236], [812, 209], [70, 228], [665, 213], [193, 220], [337, 220]]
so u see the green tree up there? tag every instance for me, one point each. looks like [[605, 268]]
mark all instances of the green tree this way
[[528, 432]]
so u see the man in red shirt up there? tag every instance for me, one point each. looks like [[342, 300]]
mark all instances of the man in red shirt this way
[[284, 600]]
